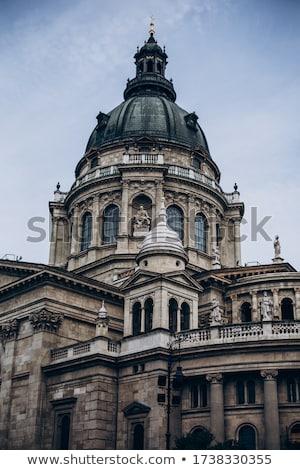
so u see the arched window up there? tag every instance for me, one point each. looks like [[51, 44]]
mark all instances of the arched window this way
[[247, 437], [194, 396], [246, 312], [287, 310], [291, 390], [185, 317], [138, 437], [250, 391], [149, 66], [173, 307], [200, 232], [136, 318], [240, 392], [86, 238], [148, 314], [175, 219], [94, 162], [111, 216]]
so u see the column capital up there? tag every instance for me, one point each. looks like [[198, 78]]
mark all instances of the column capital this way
[[215, 378], [269, 374]]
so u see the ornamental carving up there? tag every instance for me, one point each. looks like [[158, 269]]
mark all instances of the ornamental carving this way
[[269, 374], [9, 330], [45, 320], [215, 378]]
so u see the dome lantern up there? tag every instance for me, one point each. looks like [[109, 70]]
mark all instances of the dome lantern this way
[[151, 62]]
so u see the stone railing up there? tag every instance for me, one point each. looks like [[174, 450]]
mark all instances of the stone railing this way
[[154, 159], [98, 173], [143, 158], [209, 336], [195, 175], [97, 345], [239, 333]]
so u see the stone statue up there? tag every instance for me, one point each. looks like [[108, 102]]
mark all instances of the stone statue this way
[[266, 308], [217, 258], [215, 315], [142, 219], [277, 247]]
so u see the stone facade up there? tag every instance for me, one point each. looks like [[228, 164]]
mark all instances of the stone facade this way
[[145, 325]]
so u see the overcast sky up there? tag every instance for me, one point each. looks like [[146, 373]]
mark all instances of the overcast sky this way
[[234, 62]]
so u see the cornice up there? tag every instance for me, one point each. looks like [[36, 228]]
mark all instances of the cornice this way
[[48, 275]]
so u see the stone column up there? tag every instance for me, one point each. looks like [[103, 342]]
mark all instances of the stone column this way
[[297, 303], [190, 233], [75, 230], [8, 345], [235, 318], [96, 222], [142, 319], [255, 313], [124, 208], [158, 198], [237, 242], [124, 229], [276, 310], [216, 406], [213, 231], [53, 243], [271, 415], [178, 318]]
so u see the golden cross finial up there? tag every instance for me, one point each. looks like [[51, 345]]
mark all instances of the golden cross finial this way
[[152, 32]]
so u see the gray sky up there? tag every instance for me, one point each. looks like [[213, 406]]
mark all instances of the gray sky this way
[[234, 62]]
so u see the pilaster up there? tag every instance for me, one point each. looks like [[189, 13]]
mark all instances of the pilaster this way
[[234, 306]]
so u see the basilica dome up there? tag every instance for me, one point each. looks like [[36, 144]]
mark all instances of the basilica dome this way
[[149, 109]]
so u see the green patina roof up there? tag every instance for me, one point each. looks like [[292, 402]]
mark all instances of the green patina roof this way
[[153, 116], [149, 109]]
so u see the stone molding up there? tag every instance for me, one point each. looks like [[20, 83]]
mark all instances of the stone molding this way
[[44, 320]]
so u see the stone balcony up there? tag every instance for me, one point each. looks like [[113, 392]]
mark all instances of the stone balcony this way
[[244, 332], [98, 345], [156, 159], [210, 336]]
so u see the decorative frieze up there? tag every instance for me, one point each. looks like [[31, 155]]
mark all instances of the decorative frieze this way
[[45, 320]]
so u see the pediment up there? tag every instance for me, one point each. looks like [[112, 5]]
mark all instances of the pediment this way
[[184, 279], [136, 408], [144, 277], [139, 277]]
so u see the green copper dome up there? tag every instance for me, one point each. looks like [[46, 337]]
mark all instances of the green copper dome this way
[[149, 108]]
